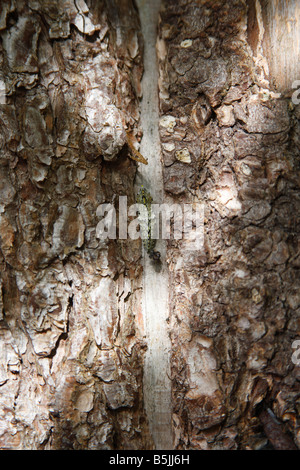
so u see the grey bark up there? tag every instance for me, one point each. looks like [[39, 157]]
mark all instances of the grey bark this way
[[226, 106]]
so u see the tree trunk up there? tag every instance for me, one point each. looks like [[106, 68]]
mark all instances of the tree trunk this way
[[235, 305], [71, 349], [101, 346]]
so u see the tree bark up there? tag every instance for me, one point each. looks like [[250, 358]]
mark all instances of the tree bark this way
[[226, 107], [71, 349], [73, 340]]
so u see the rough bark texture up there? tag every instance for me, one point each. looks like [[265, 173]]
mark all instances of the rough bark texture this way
[[230, 141], [71, 352], [71, 336]]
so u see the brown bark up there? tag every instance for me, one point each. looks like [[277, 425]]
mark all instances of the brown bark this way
[[236, 313], [71, 350], [71, 329]]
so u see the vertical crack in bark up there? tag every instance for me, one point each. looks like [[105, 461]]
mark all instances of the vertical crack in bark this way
[[157, 384]]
